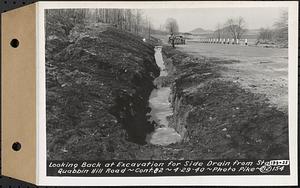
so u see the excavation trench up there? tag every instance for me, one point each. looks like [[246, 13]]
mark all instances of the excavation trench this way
[[161, 109]]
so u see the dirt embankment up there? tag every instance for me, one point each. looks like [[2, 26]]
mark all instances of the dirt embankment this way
[[98, 85], [218, 118]]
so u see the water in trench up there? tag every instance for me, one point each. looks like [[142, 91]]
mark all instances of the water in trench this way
[[161, 109]]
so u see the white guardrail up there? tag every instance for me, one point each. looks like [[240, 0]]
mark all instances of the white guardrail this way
[[225, 41]]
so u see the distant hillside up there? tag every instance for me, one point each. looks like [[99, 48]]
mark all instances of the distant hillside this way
[[200, 30]]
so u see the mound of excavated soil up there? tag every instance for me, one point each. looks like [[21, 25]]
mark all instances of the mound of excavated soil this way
[[98, 84], [223, 120]]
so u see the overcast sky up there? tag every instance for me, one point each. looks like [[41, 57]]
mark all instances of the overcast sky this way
[[208, 18]]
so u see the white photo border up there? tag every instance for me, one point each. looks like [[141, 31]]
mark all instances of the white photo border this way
[[253, 180]]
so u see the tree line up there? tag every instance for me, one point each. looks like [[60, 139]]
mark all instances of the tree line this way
[[236, 28], [233, 28], [277, 34], [131, 20]]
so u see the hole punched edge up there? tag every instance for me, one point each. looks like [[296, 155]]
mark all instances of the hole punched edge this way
[[14, 43], [16, 146]]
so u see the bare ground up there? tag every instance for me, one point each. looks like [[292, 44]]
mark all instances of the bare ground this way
[[259, 70], [224, 120], [97, 88]]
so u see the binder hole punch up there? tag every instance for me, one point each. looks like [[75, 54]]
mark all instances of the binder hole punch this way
[[16, 146], [14, 43]]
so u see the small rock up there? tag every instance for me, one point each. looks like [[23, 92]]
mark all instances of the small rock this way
[[206, 74], [64, 150], [228, 136], [265, 62], [225, 129]]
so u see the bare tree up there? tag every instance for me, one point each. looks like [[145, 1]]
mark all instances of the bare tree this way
[[131, 20], [282, 23], [148, 23], [171, 25], [281, 28], [236, 27], [65, 20], [128, 18], [138, 21], [265, 34], [218, 31]]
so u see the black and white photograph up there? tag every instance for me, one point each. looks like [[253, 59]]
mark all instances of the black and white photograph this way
[[167, 84]]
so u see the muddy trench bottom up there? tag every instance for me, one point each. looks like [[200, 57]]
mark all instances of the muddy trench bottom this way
[[161, 109]]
